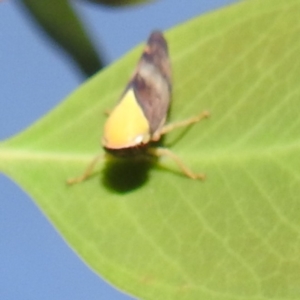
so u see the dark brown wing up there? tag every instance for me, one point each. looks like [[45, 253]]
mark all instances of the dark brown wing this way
[[152, 81]]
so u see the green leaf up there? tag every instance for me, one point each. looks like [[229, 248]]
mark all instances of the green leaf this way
[[160, 235]]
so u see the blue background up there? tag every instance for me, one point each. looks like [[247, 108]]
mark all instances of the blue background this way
[[35, 263]]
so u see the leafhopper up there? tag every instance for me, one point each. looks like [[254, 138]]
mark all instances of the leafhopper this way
[[138, 120]]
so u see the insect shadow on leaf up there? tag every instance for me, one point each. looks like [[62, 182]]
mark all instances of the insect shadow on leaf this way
[[126, 175]]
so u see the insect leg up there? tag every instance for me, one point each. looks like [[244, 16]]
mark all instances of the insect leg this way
[[87, 173], [166, 152], [169, 127]]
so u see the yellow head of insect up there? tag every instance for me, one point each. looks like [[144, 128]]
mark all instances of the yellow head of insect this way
[[127, 125]]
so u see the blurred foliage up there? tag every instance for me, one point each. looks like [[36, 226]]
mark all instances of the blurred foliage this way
[[63, 25]]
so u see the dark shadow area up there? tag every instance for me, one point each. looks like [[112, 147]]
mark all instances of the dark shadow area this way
[[125, 175]]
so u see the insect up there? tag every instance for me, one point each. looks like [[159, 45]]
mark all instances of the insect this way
[[138, 120]]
